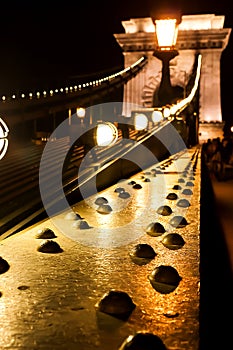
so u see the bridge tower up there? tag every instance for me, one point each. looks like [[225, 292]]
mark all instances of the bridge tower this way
[[202, 34]]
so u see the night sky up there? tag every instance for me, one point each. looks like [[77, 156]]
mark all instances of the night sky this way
[[46, 44]]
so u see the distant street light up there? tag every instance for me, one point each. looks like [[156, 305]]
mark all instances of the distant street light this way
[[81, 112]]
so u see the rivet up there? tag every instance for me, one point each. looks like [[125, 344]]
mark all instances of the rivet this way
[[143, 340], [45, 233], [81, 224], [119, 189], [101, 200], [132, 182], [4, 266], [143, 250], [178, 221], [164, 210], [189, 183], [187, 191], [49, 247], [164, 279], [137, 186], [181, 180], [155, 229], [173, 241], [104, 209], [73, 216], [147, 180], [124, 195], [172, 196], [116, 303], [177, 187], [184, 203]]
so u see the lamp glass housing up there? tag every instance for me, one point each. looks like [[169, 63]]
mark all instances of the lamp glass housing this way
[[157, 116], [106, 134], [140, 121], [166, 32], [80, 112], [166, 112]]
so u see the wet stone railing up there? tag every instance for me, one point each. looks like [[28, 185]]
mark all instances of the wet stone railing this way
[[119, 269]]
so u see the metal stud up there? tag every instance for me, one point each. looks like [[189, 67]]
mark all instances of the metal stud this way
[[173, 241], [164, 210], [155, 229], [104, 209], [143, 250], [178, 221], [50, 247], [4, 266], [119, 189], [184, 203], [124, 195], [45, 233], [187, 191], [143, 340], [172, 196], [101, 200], [137, 186], [164, 279], [116, 303]]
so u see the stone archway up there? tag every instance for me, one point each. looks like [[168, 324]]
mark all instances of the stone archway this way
[[203, 34], [149, 95]]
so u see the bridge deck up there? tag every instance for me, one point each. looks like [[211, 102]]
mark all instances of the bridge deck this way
[[49, 300]]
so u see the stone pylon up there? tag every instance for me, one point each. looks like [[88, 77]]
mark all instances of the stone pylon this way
[[203, 34]]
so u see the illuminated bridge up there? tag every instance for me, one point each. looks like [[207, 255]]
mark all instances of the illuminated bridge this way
[[99, 254]]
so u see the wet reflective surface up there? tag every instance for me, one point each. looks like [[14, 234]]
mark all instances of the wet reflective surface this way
[[49, 301]]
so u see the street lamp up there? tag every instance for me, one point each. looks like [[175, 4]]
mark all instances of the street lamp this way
[[105, 134], [166, 30], [81, 112]]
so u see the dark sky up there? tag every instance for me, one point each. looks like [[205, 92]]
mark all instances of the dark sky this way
[[45, 44]]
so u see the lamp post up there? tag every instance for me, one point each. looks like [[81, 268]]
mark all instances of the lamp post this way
[[166, 30]]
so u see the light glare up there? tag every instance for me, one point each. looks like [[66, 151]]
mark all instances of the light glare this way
[[106, 134], [140, 121], [166, 31]]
